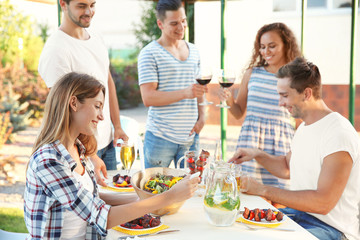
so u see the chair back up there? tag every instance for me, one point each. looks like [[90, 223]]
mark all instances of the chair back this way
[[5, 235]]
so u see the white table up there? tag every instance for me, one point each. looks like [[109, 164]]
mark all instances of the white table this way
[[193, 225]]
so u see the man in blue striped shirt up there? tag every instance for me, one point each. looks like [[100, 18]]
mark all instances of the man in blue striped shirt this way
[[167, 69]]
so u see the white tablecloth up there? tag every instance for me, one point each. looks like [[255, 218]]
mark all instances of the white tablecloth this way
[[193, 225]]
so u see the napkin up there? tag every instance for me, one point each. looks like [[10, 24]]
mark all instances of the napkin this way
[[140, 231]]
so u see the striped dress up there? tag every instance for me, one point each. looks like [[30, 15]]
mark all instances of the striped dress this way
[[267, 126], [171, 122]]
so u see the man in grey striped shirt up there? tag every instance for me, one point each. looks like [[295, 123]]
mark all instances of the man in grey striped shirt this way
[[167, 69]]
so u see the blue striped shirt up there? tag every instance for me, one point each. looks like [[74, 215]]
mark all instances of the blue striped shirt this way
[[267, 126], [172, 122]]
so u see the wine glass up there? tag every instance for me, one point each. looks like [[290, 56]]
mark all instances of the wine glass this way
[[127, 155], [204, 78], [226, 80]]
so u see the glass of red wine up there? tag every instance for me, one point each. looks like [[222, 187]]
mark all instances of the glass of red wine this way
[[204, 79], [226, 80]]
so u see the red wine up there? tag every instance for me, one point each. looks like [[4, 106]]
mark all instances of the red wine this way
[[226, 84], [203, 81]]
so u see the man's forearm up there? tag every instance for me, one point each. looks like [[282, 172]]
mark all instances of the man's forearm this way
[[276, 165], [306, 200], [113, 103], [161, 98]]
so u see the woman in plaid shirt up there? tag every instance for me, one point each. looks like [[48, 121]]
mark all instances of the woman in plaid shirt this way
[[61, 196]]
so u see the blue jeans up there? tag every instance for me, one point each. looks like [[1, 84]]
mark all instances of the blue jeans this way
[[315, 226], [159, 152], [107, 154]]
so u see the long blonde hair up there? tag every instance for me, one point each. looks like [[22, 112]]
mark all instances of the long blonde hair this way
[[57, 115]]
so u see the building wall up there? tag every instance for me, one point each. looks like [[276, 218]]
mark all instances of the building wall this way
[[336, 98]]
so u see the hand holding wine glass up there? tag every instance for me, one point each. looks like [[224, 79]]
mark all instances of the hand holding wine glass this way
[[204, 78], [226, 80]]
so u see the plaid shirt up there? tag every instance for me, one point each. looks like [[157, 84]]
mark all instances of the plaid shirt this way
[[51, 188]]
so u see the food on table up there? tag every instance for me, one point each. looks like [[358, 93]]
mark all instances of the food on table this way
[[197, 165], [121, 181], [161, 183], [147, 221], [258, 214]]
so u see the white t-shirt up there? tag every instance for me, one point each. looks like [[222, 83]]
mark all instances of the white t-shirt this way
[[310, 145], [74, 227], [63, 54]]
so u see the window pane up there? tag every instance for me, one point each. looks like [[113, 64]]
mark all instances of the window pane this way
[[284, 5], [316, 3]]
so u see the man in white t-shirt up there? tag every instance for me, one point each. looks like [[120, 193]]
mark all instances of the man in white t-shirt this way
[[74, 48], [323, 165]]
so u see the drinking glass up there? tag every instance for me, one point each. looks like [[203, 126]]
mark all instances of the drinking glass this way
[[204, 78], [127, 155], [241, 179], [226, 79]]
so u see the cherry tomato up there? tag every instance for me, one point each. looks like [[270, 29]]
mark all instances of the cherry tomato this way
[[252, 215], [262, 214]]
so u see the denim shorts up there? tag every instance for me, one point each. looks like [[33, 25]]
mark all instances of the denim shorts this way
[[315, 226], [159, 152], [107, 154]]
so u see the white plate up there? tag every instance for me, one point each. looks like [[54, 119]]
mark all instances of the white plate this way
[[111, 185], [263, 222], [140, 230]]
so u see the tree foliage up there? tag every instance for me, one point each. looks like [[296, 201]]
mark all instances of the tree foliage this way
[[147, 30], [17, 38]]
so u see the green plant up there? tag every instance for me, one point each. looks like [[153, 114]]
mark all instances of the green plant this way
[[19, 113], [147, 30], [5, 128], [12, 220], [127, 89], [17, 37]]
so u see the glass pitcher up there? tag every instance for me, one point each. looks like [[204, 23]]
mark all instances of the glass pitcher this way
[[221, 201]]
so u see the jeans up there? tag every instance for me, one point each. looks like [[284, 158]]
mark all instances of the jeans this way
[[315, 226], [159, 152], [107, 154]]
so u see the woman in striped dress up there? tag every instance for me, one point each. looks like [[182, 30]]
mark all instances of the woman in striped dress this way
[[267, 126]]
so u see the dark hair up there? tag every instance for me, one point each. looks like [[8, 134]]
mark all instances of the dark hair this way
[[291, 48], [166, 5], [67, 1], [302, 74]]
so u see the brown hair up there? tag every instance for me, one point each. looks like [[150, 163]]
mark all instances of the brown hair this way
[[166, 5], [291, 48], [57, 115], [302, 74]]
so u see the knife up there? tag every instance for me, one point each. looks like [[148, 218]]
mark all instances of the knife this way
[[147, 234]]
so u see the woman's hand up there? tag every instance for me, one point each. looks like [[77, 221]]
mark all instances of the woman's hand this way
[[243, 154], [184, 189], [224, 94]]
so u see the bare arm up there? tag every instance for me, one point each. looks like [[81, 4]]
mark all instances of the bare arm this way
[[276, 165], [114, 199], [115, 112], [333, 178], [202, 117], [153, 97], [179, 192]]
